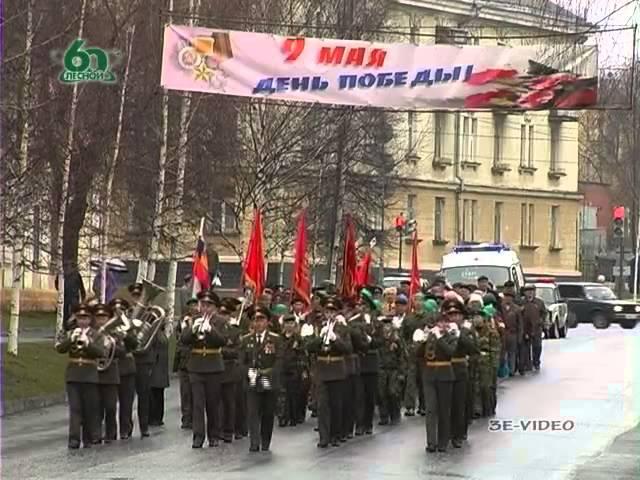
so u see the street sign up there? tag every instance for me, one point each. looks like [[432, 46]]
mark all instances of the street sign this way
[[626, 271]]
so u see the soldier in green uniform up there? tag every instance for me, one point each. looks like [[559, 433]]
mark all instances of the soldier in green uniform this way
[[261, 359], [127, 371], [108, 375], [84, 346], [437, 346], [180, 361], [367, 339], [330, 347], [206, 365], [455, 313], [474, 315], [240, 320], [415, 320], [391, 377], [496, 333], [292, 370], [232, 371]]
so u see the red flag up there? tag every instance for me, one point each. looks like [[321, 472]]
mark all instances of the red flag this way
[[200, 268], [362, 270], [254, 271], [301, 282], [348, 281], [415, 269]]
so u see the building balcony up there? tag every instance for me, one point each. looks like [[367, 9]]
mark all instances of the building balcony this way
[[500, 168], [470, 164], [527, 170], [556, 173], [442, 163]]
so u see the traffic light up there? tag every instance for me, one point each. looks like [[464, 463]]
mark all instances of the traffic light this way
[[411, 226], [400, 222], [618, 222]]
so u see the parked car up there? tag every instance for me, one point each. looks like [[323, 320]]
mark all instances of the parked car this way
[[556, 323], [396, 280], [597, 304]]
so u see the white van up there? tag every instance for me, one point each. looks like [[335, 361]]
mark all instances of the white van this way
[[496, 261]]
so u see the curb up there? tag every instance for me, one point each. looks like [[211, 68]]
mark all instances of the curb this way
[[33, 403]]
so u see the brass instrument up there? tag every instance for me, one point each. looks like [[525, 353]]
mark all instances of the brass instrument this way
[[201, 327], [110, 352], [150, 292], [152, 320], [79, 339]]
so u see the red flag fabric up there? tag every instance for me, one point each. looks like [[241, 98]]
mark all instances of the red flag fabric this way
[[362, 270], [349, 261], [301, 281], [200, 268], [415, 269], [254, 269]]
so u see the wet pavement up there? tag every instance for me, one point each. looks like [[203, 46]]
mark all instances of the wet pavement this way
[[591, 379]]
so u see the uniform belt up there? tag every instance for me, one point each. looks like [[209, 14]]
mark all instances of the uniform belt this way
[[330, 359], [83, 361], [459, 360], [264, 371], [206, 351], [438, 364]]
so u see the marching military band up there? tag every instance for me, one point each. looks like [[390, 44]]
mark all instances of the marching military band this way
[[241, 367]]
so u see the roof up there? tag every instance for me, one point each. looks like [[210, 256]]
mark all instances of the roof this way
[[582, 284], [545, 8], [505, 258]]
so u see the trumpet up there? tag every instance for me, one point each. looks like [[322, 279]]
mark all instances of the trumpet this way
[[80, 339], [185, 323], [203, 328]]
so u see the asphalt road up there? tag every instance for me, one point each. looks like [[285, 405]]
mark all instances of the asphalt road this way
[[591, 378]]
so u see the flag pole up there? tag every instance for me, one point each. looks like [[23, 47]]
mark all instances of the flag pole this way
[[193, 280]]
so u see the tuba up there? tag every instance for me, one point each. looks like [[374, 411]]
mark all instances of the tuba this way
[[152, 320], [110, 348], [150, 292]]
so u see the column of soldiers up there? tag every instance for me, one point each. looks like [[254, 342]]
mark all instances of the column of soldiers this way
[[240, 367]]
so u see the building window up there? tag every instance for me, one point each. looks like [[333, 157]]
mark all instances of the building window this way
[[554, 130], [527, 144], [439, 122], [554, 239], [224, 217], [527, 224], [411, 133], [498, 139], [438, 219], [411, 206], [497, 222], [469, 208], [469, 132]]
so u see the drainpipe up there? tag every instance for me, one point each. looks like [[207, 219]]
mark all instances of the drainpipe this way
[[457, 175]]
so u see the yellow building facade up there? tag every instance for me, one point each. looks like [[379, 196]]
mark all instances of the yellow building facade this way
[[482, 176]]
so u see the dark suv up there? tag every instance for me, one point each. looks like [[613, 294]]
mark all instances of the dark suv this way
[[596, 303]]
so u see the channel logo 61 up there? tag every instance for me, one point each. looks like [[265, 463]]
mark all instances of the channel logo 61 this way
[[87, 64]]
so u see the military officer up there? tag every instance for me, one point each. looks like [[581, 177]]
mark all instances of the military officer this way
[[205, 365], [391, 376], [438, 345], [292, 371], [108, 375], [261, 359], [144, 366], [127, 371], [232, 371], [415, 320], [354, 390], [512, 317], [330, 346], [455, 313], [534, 314], [180, 361], [239, 319], [159, 379], [368, 351], [85, 346]]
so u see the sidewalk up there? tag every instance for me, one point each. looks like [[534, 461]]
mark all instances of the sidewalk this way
[[620, 461]]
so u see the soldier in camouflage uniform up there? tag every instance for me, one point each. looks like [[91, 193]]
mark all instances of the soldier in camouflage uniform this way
[[486, 361], [391, 377], [474, 402]]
